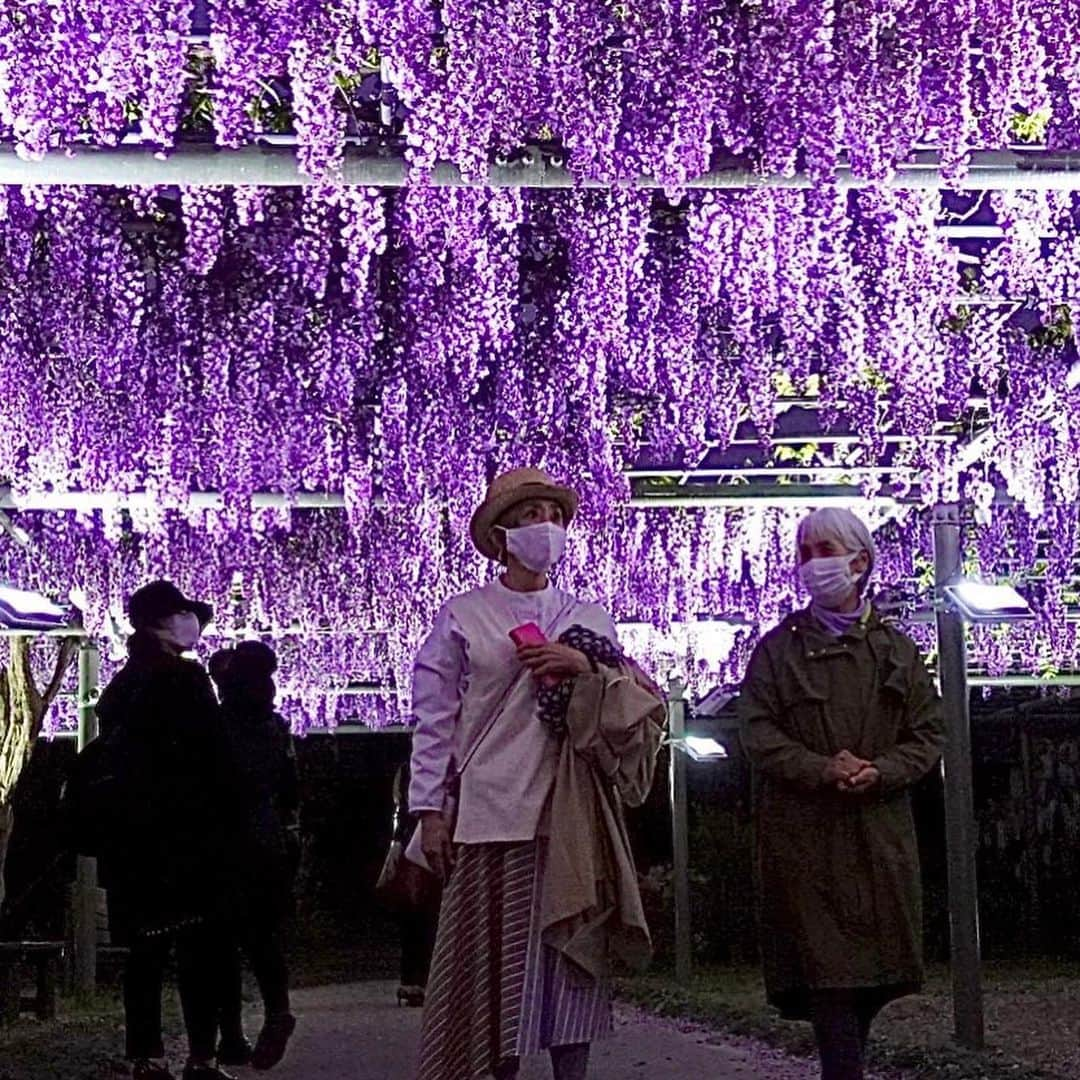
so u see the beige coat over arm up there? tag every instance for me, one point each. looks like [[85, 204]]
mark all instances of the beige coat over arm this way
[[590, 904]]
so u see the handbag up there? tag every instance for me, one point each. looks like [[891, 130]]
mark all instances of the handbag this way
[[402, 883], [413, 852]]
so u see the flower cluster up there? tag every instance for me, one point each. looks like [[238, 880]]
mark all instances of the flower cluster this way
[[393, 350], [659, 87]]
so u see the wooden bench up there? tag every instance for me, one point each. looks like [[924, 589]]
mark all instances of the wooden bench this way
[[46, 958]]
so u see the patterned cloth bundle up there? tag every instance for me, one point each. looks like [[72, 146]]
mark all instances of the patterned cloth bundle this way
[[554, 701]]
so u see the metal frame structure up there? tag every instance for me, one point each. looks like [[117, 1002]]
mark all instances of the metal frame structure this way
[[85, 893], [380, 162]]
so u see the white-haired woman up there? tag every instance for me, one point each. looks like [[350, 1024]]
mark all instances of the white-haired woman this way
[[839, 719], [535, 740]]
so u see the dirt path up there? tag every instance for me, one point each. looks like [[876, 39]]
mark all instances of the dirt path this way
[[357, 1032]]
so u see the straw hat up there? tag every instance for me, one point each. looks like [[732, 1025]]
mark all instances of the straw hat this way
[[506, 491]]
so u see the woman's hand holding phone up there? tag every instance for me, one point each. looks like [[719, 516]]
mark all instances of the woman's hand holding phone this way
[[548, 661]]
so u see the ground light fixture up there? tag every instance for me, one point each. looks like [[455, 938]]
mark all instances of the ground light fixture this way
[[981, 602], [22, 609], [700, 748]]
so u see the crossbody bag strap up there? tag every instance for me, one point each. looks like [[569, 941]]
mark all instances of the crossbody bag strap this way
[[496, 715]]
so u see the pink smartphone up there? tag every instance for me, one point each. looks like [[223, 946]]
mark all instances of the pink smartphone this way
[[527, 634], [531, 634]]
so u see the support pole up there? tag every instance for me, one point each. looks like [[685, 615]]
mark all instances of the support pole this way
[[680, 844], [960, 833], [85, 906]]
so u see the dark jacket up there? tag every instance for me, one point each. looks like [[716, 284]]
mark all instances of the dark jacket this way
[[838, 873], [268, 789], [169, 865]]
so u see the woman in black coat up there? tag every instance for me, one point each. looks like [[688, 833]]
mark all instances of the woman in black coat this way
[[166, 868]]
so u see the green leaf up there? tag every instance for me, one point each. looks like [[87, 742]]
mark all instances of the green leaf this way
[[1030, 127]]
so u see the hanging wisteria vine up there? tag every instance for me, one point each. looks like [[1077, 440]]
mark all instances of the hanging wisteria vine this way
[[395, 349], [655, 87]]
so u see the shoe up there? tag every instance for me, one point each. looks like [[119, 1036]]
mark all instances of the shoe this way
[[274, 1037], [234, 1051], [412, 996], [150, 1070], [206, 1072]]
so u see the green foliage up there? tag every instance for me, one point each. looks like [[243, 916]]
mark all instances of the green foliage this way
[[269, 111], [198, 112], [801, 455], [1030, 127], [1057, 333], [785, 386], [960, 321], [924, 572], [875, 379]]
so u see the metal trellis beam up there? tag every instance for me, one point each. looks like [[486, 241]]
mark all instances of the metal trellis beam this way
[[732, 496], [275, 165]]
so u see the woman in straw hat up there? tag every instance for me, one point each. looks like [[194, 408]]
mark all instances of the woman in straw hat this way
[[516, 968], [839, 719]]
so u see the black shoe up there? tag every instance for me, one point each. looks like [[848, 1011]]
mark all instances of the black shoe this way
[[206, 1072], [412, 996], [273, 1039], [150, 1070], [234, 1051]]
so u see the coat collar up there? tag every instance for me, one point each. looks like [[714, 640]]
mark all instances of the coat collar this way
[[803, 622]]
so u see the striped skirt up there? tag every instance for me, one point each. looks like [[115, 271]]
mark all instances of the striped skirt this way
[[496, 991]]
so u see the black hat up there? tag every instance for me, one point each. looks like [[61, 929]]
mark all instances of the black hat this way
[[160, 599], [245, 662], [253, 659]]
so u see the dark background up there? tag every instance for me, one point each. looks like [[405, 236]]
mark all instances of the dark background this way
[[1027, 769]]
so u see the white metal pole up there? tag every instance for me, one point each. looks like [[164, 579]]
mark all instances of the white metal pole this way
[[680, 845], [85, 905], [960, 831]]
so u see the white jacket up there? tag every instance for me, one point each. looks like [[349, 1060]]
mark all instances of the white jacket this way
[[462, 671]]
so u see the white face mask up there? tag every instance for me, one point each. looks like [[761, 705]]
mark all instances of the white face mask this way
[[829, 580], [180, 632], [537, 547]]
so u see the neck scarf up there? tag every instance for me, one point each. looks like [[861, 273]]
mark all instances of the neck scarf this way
[[839, 623]]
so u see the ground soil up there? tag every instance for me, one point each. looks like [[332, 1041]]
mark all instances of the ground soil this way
[[1032, 1021], [718, 1028]]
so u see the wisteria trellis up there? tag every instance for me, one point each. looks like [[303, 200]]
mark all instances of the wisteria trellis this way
[[623, 86], [397, 347]]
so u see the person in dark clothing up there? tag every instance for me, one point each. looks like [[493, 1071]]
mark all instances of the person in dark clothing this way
[[840, 720], [262, 752], [167, 870]]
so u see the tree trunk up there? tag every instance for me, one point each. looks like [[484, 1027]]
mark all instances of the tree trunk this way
[[22, 713], [7, 820]]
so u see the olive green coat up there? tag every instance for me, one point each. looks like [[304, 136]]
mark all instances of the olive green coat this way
[[838, 873]]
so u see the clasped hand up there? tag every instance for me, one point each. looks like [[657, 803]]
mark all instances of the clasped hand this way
[[849, 773], [553, 659]]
